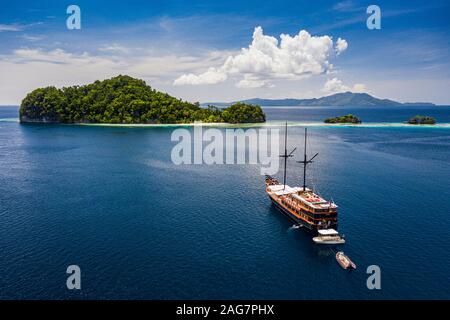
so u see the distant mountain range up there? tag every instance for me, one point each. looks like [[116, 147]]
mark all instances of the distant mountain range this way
[[338, 99]]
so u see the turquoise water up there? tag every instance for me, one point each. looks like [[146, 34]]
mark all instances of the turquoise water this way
[[110, 200]]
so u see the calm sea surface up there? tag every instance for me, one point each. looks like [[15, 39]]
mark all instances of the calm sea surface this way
[[110, 200]]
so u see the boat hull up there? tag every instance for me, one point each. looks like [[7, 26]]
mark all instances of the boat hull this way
[[300, 222], [330, 242], [306, 226]]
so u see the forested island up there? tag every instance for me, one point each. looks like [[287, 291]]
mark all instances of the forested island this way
[[344, 119], [421, 120], [125, 100]]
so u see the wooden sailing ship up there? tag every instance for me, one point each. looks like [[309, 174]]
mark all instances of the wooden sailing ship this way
[[301, 204]]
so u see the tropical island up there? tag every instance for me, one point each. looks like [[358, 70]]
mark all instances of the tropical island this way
[[125, 100], [344, 119], [421, 120]]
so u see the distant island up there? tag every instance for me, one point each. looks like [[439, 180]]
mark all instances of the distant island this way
[[125, 100], [344, 119], [421, 120], [339, 99]]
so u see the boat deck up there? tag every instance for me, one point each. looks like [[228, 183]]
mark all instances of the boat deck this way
[[306, 196]]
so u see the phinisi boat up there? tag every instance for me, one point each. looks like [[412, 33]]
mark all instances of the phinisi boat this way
[[303, 205]]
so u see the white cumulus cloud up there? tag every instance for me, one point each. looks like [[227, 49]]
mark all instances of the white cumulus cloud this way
[[341, 45], [359, 87], [336, 85], [212, 76], [252, 82], [268, 58]]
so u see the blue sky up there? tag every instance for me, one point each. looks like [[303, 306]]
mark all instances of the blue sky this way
[[193, 49]]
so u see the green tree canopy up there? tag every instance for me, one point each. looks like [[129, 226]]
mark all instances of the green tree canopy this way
[[422, 120], [349, 118]]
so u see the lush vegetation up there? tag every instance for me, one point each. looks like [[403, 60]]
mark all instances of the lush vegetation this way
[[243, 113], [421, 120], [344, 119], [124, 99]]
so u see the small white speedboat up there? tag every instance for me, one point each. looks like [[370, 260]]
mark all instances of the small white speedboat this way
[[328, 236]]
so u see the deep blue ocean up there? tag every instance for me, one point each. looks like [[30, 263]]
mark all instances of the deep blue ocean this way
[[110, 200]]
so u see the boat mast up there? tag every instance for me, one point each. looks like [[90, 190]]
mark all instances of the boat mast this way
[[286, 156], [305, 161]]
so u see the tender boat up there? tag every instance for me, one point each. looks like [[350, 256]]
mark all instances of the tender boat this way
[[345, 261], [328, 236]]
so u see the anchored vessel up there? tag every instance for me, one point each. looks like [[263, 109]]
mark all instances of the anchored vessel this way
[[328, 236], [303, 205]]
